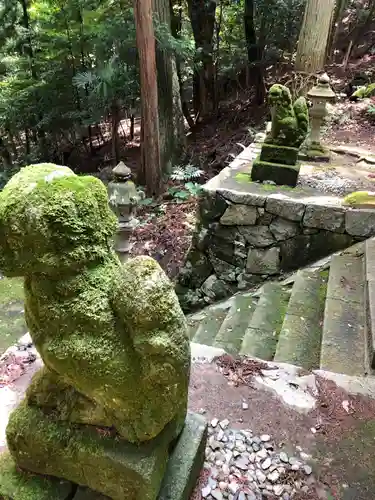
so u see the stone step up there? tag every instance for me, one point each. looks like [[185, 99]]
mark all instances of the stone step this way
[[344, 344], [234, 326], [301, 333], [370, 299], [211, 321], [261, 336]]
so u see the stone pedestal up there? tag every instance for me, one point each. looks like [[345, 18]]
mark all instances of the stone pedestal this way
[[157, 470], [278, 164]]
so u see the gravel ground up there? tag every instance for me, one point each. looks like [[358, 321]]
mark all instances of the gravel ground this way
[[243, 466], [331, 182]]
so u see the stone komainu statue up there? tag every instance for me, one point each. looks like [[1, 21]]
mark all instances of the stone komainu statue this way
[[112, 338], [289, 121]]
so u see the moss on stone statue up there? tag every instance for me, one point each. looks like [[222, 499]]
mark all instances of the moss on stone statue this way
[[115, 333], [276, 172], [87, 455], [279, 154], [290, 122], [61, 401], [16, 484], [12, 319]]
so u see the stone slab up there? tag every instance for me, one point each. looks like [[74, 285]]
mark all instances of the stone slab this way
[[302, 249], [263, 261], [183, 468], [233, 328], [328, 217], [283, 229], [347, 278], [79, 453], [282, 175], [360, 222], [243, 197], [343, 343], [371, 320], [301, 333], [279, 154], [261, 336], [257, 236], [237, 215], [186, 460], [282, 205], [18, 485]]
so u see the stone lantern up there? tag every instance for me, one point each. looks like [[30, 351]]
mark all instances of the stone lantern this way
[[123, 198], [319, 95]]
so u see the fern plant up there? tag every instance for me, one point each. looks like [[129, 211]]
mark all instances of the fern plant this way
[[186, 173]]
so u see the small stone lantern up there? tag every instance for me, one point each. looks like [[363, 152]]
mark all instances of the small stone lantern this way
[[123, 198], [319, 95]]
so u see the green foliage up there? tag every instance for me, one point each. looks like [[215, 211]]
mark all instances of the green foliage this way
[[183, 193], [186, 173]]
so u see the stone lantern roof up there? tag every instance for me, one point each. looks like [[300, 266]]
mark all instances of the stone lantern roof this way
[[322, 89]]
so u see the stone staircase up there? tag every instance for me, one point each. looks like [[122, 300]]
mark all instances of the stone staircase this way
[[322, 317]]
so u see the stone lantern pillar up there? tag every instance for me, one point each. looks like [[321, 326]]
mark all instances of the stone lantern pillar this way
[[319, 95], [123, 198]]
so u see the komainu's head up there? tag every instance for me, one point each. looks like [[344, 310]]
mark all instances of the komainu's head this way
[[279, 94], [53, 221]]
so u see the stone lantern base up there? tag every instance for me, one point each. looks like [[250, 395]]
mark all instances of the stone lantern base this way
[[130, 472], [315, 151]]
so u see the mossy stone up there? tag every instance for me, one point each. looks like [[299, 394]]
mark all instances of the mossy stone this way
[[359, 198], [12, 318], [17, 484], [53, 221], [290, 122], [87, 455], [279, 154], [276, 172], [211, 207], [114, 333]]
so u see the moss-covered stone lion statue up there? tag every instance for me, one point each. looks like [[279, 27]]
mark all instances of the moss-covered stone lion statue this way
[[112, 337]]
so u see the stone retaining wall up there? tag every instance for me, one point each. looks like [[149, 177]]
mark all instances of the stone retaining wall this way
[[248, 232]]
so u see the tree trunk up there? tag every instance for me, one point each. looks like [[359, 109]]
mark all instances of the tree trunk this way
[[202, 17], [150, 172], [5, 155], [115, 120], [337, 13], [313, 38], [176, 26], [254, 53], [171, 120], [28, 48]]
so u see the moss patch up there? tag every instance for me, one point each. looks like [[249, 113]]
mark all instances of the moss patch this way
[[242, 177], [87, 455], [360, 198], [12, 321], [19, 485]]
